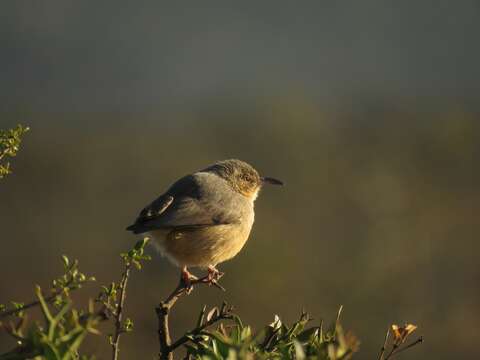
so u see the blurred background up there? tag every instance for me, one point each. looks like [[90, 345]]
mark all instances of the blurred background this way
[[369, 111]]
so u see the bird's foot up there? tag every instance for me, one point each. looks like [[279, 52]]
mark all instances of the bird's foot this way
[[212, 277], [187, 278], [214, 274]]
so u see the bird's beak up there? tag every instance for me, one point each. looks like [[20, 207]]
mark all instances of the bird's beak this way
[[270, 180]]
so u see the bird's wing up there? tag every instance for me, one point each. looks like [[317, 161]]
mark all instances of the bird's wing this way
[[156, 208], [187, 204]]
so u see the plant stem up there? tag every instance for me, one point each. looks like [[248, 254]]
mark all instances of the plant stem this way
[[163, 312], [418, 341], [119, 312], [384, 347], [49, 299], [394, 348], [224, 314]]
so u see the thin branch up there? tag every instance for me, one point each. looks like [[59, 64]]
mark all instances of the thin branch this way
[[225, 313], [394, 348], [384, 347], [49, 299], [15, 330], [119, 312], [416, 342], [163, 312], [268, 340]]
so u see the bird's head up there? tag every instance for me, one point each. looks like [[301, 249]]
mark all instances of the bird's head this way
[[242, 177]]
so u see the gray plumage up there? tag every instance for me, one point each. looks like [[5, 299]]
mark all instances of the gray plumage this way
[[204, 218], [194, 201]]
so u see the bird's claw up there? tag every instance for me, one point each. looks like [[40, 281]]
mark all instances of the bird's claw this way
[[213, 276], [188, 279]]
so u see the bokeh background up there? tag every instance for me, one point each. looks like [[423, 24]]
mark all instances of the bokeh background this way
[[368, 110]]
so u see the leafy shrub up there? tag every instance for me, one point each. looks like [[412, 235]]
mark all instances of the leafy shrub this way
[[9, 144]]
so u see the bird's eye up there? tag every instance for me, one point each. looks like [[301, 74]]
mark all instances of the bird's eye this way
[[246, 178]]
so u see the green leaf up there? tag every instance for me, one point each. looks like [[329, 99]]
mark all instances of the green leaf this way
[[66, 262], [128, 325], [246, 334]]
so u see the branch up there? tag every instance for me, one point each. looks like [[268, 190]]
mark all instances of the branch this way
[[108, 297], [72, 284], [225, 313], [119, 311], [48, 299], [399, 350], [163, 312], [384, 347]]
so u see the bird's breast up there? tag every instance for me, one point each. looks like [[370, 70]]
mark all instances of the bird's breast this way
[[204, 246]]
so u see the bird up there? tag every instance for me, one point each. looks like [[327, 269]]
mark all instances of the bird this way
[[204, 218]]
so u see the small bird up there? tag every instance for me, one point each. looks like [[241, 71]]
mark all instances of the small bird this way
[[205, 218]]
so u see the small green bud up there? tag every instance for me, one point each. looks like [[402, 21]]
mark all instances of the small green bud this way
[[65, 260], [128, 325]]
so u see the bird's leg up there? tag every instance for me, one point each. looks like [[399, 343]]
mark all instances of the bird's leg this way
[[187, 278]]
